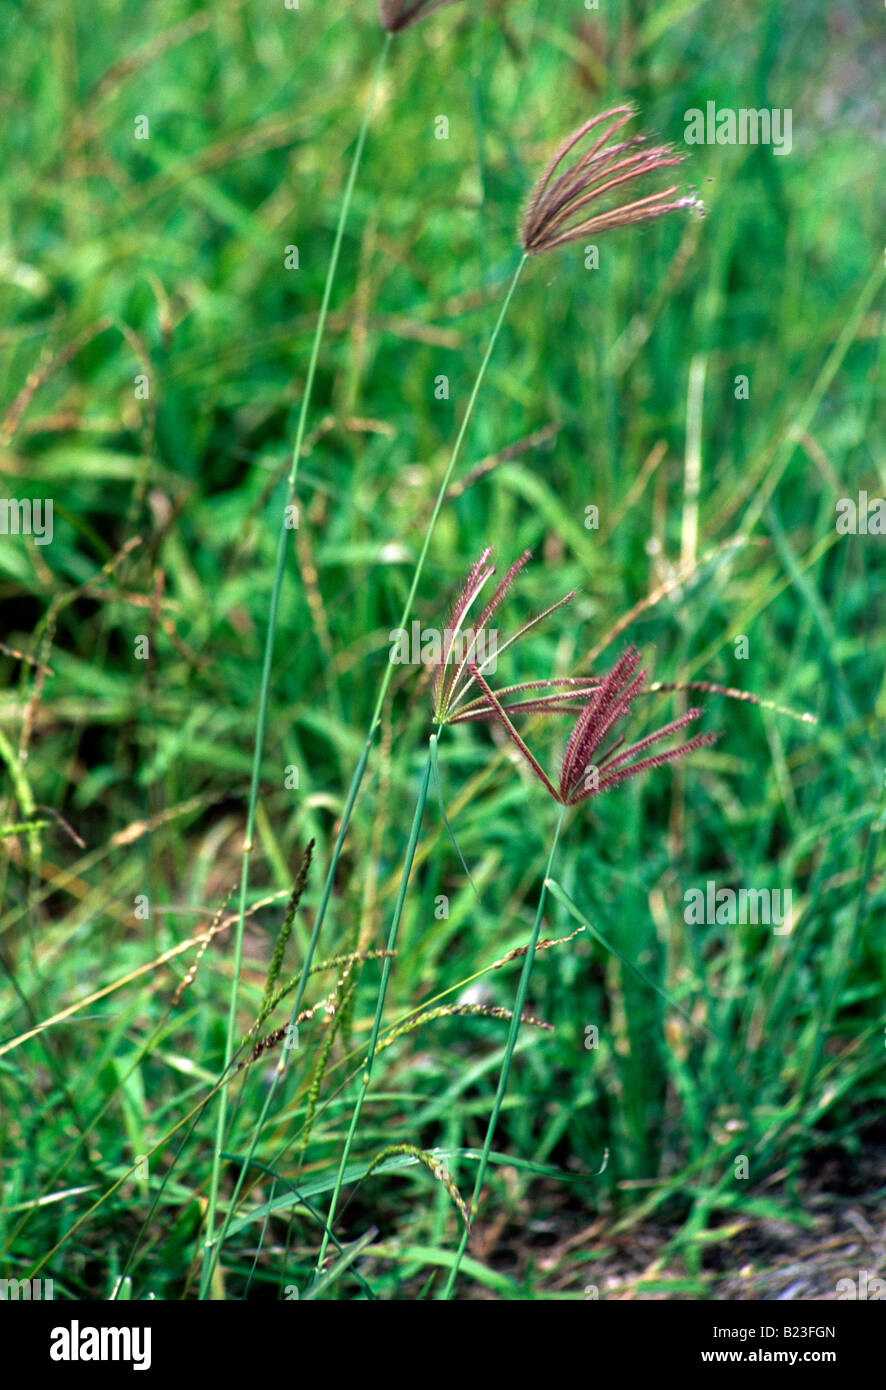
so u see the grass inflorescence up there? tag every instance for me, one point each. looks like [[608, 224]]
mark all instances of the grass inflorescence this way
[[292, 382]]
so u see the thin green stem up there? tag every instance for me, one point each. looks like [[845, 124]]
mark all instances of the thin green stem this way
[[284, 1057], [360, 769], [444, 486], [276, 588], [522, 990], [382, 994]]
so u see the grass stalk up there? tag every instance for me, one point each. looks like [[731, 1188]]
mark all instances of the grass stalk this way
[[522, 990], [380, 1001], [276, 588]]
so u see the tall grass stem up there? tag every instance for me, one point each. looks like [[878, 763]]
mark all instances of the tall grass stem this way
[[382, 993], [522, 990], [269, 656]]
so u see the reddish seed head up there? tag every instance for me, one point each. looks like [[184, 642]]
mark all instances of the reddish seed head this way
[[592, 762], [556, 212], [463, 645]]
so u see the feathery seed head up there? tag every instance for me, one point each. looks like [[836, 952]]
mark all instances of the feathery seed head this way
[[587, 770], [460, 653], [556, 212]]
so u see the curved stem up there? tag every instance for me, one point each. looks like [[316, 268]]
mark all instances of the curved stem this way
[[522, 990]]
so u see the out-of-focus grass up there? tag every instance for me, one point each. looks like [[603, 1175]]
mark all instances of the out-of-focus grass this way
[[165, 257]]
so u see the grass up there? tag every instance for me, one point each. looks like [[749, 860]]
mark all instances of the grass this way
[[165, 258]]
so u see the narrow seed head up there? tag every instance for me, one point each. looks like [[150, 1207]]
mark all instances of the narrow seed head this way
[[556, 212], [400, 14]]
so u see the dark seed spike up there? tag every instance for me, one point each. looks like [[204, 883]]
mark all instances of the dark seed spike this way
[[659, 760], [503, 587], [285, 932], [596, 710], [595, 737], [466, 600], [605, 759], [577, 684], [674, 727]]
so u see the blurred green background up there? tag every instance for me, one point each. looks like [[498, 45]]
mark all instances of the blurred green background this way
[[164, 258]]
